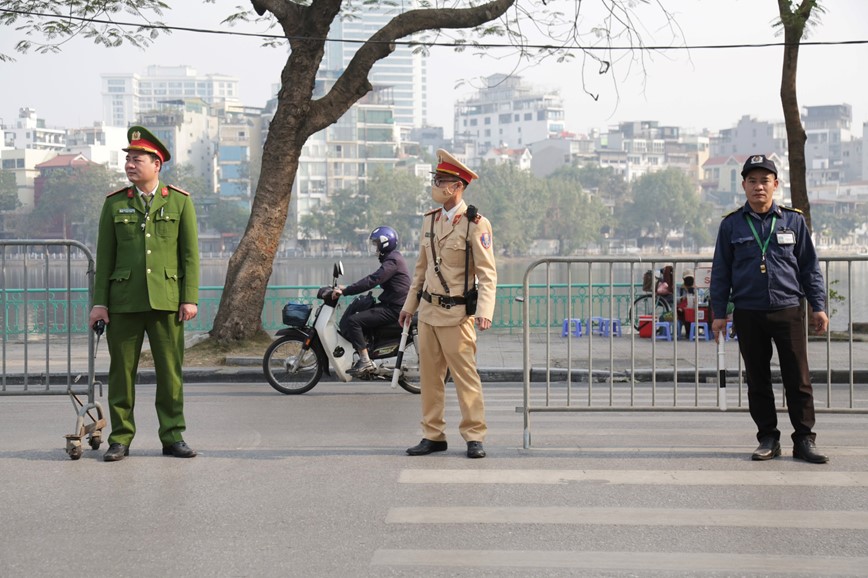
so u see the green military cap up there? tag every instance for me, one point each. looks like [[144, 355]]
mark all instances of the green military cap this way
[[141, 139]]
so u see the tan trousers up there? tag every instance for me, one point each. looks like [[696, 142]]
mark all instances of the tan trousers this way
[[453, 347]]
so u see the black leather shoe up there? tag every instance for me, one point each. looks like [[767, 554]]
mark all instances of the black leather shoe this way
[[475, 450], [179, 450], [116, 453], [426, 447], [769, 448], [805, 449]]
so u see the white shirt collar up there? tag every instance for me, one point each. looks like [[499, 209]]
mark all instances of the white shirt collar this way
[[153, 192], [450, 214]]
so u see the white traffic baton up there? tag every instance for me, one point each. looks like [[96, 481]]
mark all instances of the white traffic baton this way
[[721, 370], [400, 359]]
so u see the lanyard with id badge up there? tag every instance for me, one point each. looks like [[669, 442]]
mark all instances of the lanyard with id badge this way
[[764, 245]]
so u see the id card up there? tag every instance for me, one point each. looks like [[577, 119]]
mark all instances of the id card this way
[[786, 238]]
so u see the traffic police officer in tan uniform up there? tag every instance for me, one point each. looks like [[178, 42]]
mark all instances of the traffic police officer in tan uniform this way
[[455, 239], [146, 281]]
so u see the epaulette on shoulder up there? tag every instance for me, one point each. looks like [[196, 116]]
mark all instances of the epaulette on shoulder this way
[[793, 209], [477, 218], [432, 211], [182, 191], [123, 190], [731, 213]]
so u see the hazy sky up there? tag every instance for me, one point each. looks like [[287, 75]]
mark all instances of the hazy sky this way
[[700, 89]]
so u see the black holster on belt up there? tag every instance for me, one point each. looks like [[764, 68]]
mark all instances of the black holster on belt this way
[[470, 298]]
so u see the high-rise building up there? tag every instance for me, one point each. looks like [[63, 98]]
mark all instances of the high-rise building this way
[[126, 96], [508, 113], [827, 150], [404, 71], [344, 155]]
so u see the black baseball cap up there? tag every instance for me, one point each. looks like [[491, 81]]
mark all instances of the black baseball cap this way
[[759, 162]]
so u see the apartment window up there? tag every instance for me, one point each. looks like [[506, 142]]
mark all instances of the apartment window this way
[[487, 120]]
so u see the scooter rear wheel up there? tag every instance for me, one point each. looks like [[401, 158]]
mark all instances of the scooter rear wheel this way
[[279, 360]]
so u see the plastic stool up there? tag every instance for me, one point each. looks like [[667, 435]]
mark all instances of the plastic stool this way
[[664, 331], [615, 327], [728, 331], [572, 325], [597, 325], [696, 326]]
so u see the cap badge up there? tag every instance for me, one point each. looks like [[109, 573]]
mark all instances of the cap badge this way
[[136, 135], [757, 159]]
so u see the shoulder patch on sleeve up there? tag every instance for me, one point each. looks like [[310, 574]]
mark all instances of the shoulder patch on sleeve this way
[[182, 191], [123, 190], [793, 209]]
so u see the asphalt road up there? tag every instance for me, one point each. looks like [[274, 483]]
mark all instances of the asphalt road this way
[[319, 485]]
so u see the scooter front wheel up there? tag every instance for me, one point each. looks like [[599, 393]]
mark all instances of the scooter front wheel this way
[[409, 378], [289, 367]]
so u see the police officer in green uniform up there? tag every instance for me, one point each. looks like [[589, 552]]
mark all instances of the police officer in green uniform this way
[[146, 282]]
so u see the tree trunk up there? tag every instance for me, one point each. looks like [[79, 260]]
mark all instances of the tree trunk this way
[[794, 26], [299, 116]]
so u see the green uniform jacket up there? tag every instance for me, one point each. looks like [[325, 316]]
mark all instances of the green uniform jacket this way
[[144, 264]]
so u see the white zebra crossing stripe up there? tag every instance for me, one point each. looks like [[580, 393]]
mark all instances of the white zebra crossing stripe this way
[[644, 477], [754, 518], [727, 563]]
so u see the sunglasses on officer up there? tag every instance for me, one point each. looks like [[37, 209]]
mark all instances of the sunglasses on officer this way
[[439, 181]]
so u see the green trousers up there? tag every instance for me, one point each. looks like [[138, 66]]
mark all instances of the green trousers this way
[[125, 334]]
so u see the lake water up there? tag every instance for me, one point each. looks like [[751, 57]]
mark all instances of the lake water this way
[[317, 271]]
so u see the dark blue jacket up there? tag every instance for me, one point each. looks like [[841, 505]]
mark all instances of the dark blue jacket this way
[[792, 269], [393, 276]]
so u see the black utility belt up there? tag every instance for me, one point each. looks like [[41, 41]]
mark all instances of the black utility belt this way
[[444, 301]]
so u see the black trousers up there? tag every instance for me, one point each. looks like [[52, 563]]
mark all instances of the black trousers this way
[[786, 327], [354, 326]]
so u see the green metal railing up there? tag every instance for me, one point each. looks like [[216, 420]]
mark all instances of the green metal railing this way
[[29, 311]]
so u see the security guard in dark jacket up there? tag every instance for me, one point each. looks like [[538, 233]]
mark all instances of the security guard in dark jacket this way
[[146, 282], [765, 263]]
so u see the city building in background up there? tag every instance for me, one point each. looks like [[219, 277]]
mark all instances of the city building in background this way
[[189, 131], [239, 152], [126, 96], [829, 154], [721, 182], [749, 136], [343, 156], [405, 70], [507, 113], [31, 132], [100, 143]]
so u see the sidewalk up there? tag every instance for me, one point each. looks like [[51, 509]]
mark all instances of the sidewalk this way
[[500, 355]]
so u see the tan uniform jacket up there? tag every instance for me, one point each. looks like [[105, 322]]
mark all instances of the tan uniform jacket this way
[[451, 247]]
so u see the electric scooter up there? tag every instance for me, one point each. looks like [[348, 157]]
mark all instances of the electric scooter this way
[[312, 345]]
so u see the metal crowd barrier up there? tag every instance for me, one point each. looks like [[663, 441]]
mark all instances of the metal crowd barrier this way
[[577, 360], [38, 333]]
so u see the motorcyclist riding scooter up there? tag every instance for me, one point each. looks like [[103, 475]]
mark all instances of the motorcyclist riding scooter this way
[[394, 277]]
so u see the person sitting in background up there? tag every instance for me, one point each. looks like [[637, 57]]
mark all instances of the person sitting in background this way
[[686, 299]]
